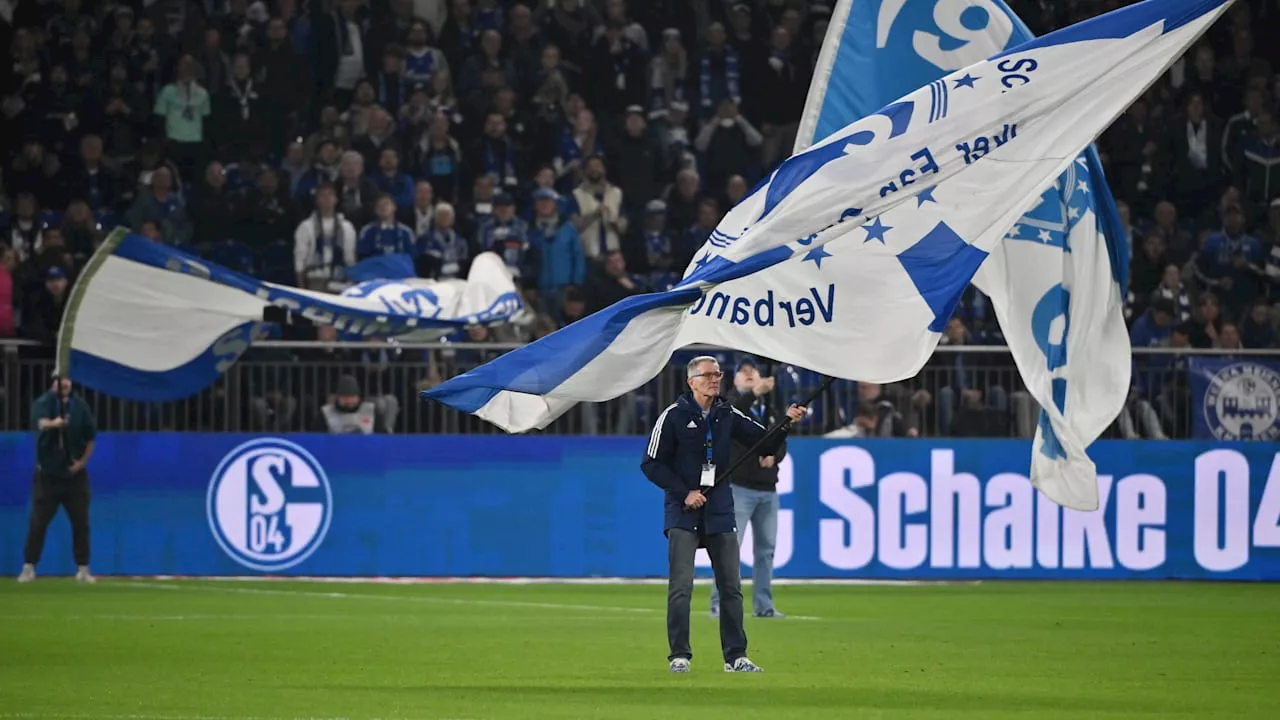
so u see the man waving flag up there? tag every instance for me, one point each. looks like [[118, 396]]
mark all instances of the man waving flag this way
[[1058, 281], [969, 162]]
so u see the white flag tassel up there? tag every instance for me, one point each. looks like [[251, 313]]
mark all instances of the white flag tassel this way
[[815, 268]]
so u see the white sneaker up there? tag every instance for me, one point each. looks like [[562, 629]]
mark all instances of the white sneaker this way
[[28, 573], [83, 576], [680, 665], [742, 665]]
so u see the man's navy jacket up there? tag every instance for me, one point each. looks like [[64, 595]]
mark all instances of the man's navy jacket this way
[[677, 450]]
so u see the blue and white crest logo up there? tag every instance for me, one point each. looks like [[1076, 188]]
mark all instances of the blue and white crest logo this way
[[1243, 403], [269, 504]]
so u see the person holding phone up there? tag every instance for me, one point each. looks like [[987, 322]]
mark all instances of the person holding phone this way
[[66, 429]]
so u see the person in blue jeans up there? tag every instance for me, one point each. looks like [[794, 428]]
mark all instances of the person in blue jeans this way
[[755, 489]]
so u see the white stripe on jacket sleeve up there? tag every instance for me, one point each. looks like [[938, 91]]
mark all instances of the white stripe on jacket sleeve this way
[[655, 437]]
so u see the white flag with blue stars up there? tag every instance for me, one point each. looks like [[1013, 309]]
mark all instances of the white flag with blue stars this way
[[1058, 281], [965, 157]]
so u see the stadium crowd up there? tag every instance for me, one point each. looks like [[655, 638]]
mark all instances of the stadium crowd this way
[[593, 144]]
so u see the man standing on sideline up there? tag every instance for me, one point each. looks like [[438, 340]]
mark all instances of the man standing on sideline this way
[[63, 447], [755, 490], [690, 443]]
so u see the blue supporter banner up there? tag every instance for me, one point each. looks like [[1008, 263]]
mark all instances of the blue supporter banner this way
[[1234, 398], [312, 505]]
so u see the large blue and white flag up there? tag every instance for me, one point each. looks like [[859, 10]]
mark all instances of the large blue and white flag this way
[[1058, 281], [148, 322], [966, 162]]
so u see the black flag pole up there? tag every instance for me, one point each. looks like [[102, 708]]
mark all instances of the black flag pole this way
[[769, 434]]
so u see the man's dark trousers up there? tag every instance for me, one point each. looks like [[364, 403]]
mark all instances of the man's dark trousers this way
[[682, 546], [47, 493]]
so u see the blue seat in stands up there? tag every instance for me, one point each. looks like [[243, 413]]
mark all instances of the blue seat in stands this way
[[233, 255], [275, 264], [49, 218], [107, 220]]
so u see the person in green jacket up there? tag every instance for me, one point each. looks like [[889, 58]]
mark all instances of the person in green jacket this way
[[64, 444]]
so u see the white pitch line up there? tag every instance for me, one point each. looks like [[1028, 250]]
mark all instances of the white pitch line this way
[[701, 581], [404, 598], [168, 716], [393, 598]]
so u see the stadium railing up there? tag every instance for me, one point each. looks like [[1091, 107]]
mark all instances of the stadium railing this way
[[280, 387]]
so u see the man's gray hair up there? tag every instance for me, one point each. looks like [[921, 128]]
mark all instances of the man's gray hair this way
[[692, 369]]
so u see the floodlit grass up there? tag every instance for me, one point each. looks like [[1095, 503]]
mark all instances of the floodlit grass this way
[[187, 650]]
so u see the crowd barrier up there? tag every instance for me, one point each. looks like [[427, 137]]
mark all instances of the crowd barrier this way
[[534, 506], [279, 387]]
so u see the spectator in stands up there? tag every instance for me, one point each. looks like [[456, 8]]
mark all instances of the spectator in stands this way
[[1178, 242], [496, 154], [184, 104], [1230, 261], [1172, 289], [779, 96], [889, 422], [442, 252], [579, 138], [1194, 160], [79, 231], [421, 61], [163, 204], [730, 144], [600, 223], [668, 73], [508, 236], [696, 235], [90, 179], [380, 135], [37, 172], [1229, 338], [391, 87], [339, 51], [719, 73], [385, 236], [437, 157], [42, 312], [323, 171], [658, 248], [8, 292], [1148, 265], [391, 181], [1257, 330], [1241, 127], [24, 232], [214, 204], [118, 111], [356, 192], [242, 123], [349, 412], [646, 167], [617, 78], [562, 263], [264, 214], [1259, 174], [421, 215], [283, 79], [324, 244], [611, 283]]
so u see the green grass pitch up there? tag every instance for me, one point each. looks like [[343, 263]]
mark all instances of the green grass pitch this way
[[205, 650]]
